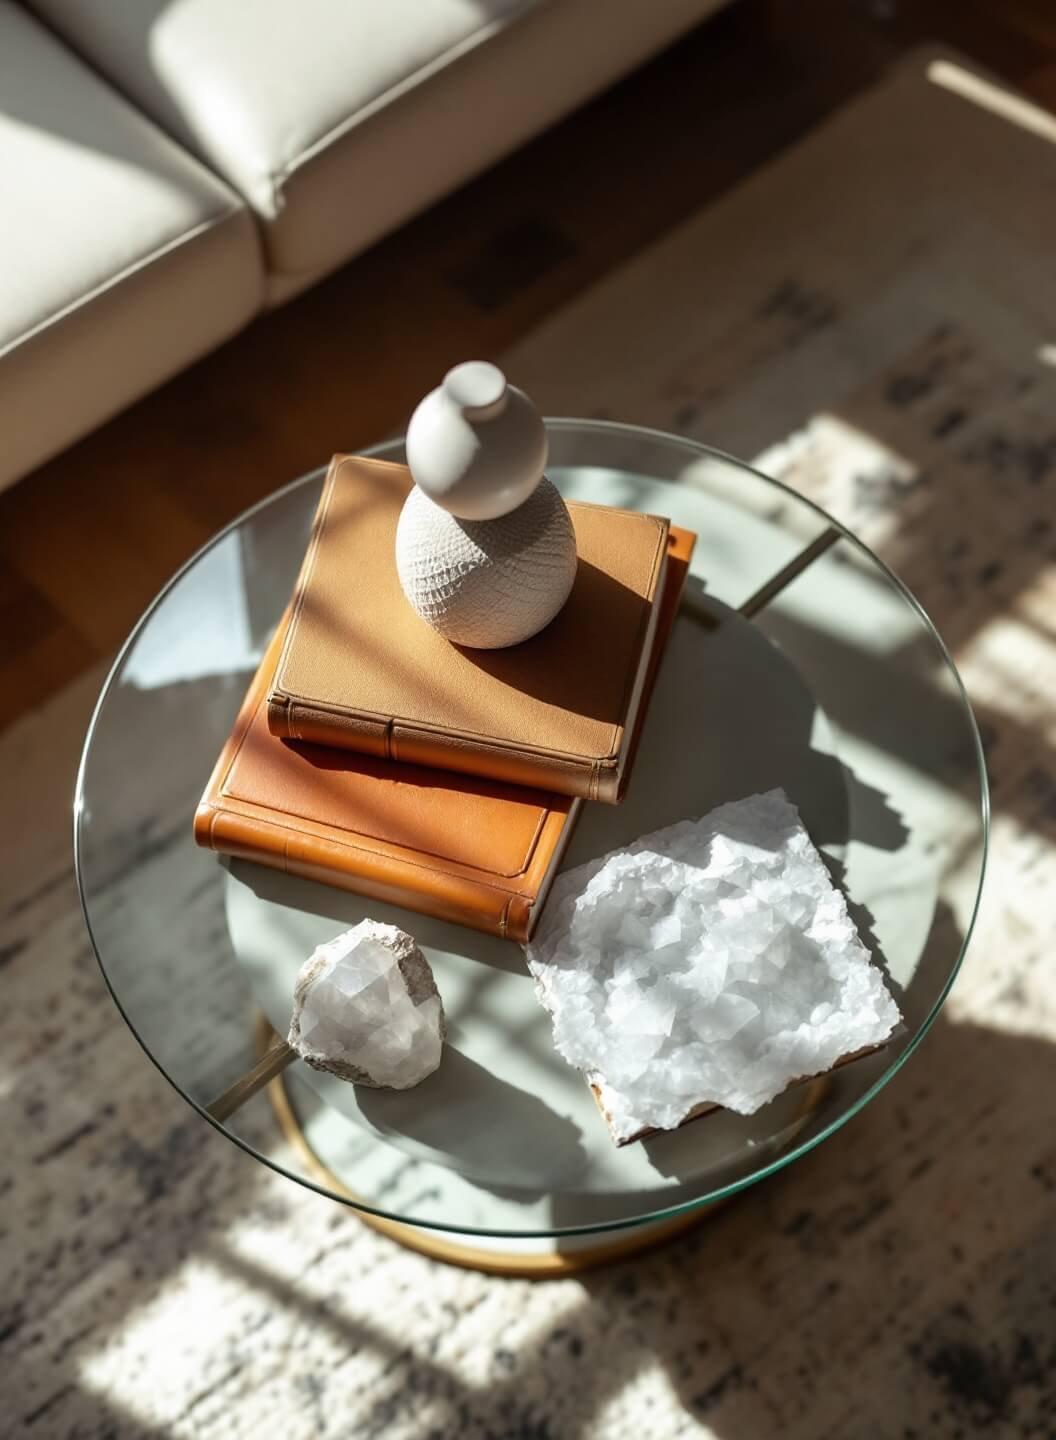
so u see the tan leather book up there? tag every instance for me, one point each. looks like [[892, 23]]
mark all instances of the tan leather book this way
[[476, 852], [360, 670]]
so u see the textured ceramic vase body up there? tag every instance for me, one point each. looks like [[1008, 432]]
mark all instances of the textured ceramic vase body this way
[[485, 549], [487, 583]]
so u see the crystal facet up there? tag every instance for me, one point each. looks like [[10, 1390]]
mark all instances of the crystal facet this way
[[366, 1007], [712, 962]]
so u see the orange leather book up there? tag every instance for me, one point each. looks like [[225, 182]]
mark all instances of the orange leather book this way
[[476, 852], [360, 670]]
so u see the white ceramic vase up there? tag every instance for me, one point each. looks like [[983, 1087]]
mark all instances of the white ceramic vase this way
[[485, 549]]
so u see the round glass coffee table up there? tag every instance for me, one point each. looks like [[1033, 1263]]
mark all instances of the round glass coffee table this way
[[797, 659]]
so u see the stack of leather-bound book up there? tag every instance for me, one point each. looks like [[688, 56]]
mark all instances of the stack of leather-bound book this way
[[372, 754]]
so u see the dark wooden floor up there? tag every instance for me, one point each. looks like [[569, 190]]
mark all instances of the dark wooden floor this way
[[87, 540]]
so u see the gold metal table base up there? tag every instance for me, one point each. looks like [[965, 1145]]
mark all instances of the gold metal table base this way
[[581, 1252]]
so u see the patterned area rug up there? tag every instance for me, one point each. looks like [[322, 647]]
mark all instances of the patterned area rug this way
[[874, 317]]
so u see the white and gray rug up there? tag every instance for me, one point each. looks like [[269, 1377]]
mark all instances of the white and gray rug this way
[[875, 316]]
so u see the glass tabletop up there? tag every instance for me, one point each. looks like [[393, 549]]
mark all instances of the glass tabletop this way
[[797, 659]]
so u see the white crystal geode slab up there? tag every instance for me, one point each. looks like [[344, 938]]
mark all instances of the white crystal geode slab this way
[[710, 963], [366, 1008]]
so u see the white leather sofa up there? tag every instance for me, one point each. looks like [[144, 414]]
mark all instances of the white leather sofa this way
[[170, 167]]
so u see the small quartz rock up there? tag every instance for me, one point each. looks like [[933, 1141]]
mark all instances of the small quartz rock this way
[[366, 1008], [710, 963]]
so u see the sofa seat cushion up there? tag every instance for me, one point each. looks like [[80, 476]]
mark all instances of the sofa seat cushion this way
[[122, 257], [255, 90], [339, 119]]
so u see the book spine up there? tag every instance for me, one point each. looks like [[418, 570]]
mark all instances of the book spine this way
[[565, 775], [521, 917], [443, 896], [293, 720], [391, 741]]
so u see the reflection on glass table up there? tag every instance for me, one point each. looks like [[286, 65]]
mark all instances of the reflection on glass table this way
[[828, 681]]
